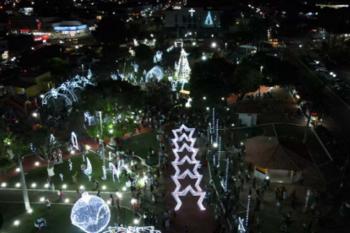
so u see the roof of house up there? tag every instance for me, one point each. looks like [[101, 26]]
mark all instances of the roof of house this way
[[269, 152]]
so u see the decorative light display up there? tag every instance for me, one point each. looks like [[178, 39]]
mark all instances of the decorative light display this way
[[90, 213], [184, 135], [115, 171], [132, 229], [155, 73], [70, 165], [192, 11], [67, 90], [88, 170], [130, 77], [136, 67], [74, 141], [182, 69], [53, 94], [224, 182], [52, 139], [247, 212], [158, 57], [241, 227], [89, 119], [104, 173], [209, 20]]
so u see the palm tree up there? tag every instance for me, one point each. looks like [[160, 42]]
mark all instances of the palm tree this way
[[16, 152], [45, 145], [24, 186]]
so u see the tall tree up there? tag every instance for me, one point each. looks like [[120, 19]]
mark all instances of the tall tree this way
[[16, 149], [212, 78], [246, 79]]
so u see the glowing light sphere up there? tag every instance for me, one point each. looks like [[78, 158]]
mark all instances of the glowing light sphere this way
[[155, 73], [90, 213]]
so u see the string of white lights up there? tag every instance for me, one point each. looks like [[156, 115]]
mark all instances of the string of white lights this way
[[132, 229]]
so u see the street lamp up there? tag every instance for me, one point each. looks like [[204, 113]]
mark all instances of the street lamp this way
[[136, 221], [35, 114], [16, 223]]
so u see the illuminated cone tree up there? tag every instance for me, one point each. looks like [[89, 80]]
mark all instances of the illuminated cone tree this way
[[182, 69]]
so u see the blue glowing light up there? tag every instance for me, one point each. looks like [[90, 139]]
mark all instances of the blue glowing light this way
[[90, 213], [70, 28], [209, 20], [155, 73]]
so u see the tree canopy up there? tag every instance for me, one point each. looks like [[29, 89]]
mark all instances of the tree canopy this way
[[213, 79], [111, 30]]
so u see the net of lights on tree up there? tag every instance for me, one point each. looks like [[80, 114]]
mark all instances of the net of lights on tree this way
[[90, 213]]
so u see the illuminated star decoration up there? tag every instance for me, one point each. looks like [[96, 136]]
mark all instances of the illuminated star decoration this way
[[90, 213], [185, 136], [146, 229]]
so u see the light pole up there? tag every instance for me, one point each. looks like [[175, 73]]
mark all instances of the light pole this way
[[24, 187]]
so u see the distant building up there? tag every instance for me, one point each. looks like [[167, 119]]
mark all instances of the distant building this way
[[248, 119], [69, 29], [29, 86], [198, 20]]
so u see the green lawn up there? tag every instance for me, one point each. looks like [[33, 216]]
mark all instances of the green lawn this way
[[58, 218], [141, 145], [39, 176]]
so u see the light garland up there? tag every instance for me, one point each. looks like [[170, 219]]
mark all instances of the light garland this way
[[185, 135], [132, 229]]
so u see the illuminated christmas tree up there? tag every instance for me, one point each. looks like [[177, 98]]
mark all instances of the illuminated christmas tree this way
[[182, 69], [209, 20]]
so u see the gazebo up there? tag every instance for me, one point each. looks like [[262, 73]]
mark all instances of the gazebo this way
[[273, 160]]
